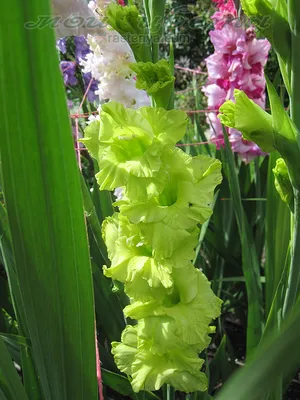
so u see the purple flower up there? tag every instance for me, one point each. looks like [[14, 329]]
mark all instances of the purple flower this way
[[81, 47], [61, 45], [68, 69], [93, 88]]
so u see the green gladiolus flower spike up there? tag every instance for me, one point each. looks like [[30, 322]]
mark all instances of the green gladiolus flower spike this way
[[151, 243]]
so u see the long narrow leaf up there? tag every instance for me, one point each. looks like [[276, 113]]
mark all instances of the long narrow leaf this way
[[155, 11], [260, 376], [30, 377], [43, 198], [10, 382], [249, 256]]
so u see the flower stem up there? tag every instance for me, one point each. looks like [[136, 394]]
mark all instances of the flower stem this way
[[294, 274], [294, 21], [168, 392]]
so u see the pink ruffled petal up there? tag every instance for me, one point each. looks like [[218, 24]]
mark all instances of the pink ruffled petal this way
[[216, 96]]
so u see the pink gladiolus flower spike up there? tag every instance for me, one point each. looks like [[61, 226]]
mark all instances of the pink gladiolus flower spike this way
[[238, 63]]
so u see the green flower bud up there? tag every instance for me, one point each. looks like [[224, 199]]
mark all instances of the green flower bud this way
[[247, 117], [283, 184], [156, 79], [129, 23]]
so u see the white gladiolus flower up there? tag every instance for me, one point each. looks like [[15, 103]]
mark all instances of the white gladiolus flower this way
[[109, 64], [93, 6], [110, 54], [75, 19]]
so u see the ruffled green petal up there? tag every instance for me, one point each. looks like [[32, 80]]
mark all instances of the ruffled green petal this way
[[182, 204], [181, 324], [130, 144], [125, 123], [146, 165], [196, 198], [110, 234], [124, 352], [139, 290], [179, 163], [151, 371], [91, 138], [167, 242], [147, 212], [132, 260], [136, 269], [113, 172], [129, 138], [168, 126], [154, 272], [178, 245], [189, 382], [143, 189], [186, 282], [203, 166]]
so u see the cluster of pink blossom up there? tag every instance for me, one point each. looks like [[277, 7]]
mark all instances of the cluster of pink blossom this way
[[225, 14], [238, 63]]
